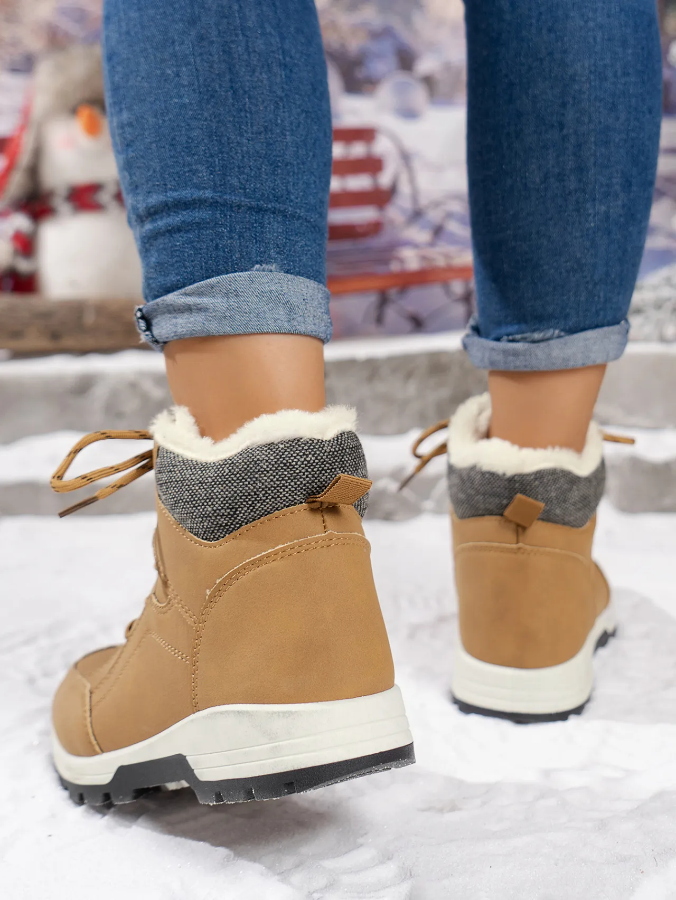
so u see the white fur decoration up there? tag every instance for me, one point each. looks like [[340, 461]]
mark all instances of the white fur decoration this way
[[67, 156], [176, 430], [83, 254], [88, 255], [469, 446]]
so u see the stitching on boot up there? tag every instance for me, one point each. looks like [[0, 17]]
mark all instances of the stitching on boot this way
[[187, 614], [215, 545], [520, 549], [318, 543], [169, 647], [279, 547], [173, 601], [120, 671], [87, 709]]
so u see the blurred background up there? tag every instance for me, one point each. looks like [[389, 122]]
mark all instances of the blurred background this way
[[399, 253], [399, 260]]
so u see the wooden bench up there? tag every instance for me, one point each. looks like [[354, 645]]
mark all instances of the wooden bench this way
[[365, 251]]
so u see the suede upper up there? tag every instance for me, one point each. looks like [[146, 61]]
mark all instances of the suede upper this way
[[284, 610]]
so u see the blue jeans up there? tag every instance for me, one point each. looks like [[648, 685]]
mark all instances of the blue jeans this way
[[221, 123]]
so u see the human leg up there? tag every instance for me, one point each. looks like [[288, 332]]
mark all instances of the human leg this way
[[564, 115], [563, 127], [222, 131], [260, 665], [229, 380]]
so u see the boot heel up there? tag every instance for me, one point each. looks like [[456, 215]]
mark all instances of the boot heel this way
[[530, 695]]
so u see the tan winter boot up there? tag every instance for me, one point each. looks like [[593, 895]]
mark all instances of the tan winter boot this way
[[532, 605], [260, 665]]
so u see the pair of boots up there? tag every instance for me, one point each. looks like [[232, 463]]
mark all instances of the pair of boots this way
[[260, 665]]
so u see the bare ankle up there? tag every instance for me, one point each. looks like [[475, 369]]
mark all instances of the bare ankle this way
[[228, 380], [544, 409]]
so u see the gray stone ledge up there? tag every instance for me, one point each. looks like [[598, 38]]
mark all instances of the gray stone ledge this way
[[395, 383]]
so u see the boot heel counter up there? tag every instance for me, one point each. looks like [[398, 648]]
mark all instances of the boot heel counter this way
[[309, 609], [522, 606]]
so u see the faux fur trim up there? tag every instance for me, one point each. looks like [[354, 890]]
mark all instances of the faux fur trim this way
[[469, 446], [176, 430]]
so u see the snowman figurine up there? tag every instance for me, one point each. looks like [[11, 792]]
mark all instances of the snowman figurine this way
[[63, 227]]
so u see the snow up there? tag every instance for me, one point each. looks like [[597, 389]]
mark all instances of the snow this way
[[436, 140], [654, 301], [34, 458], [580, 809], [653, 444], [398, 345], [140, 361]]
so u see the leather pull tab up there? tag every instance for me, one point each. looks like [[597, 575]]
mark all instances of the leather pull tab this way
[[523, 510], [343, 490]]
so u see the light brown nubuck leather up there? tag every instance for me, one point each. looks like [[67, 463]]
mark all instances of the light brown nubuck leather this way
[[528, 591], [282, 611]]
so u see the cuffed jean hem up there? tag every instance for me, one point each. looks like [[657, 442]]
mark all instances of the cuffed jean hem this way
[[570, 351], [256, 302]]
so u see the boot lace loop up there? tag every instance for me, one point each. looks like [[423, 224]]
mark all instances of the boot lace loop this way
[[135, 467], [425, 458]]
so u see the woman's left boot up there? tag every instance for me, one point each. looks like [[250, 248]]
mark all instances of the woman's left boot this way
[[260, 665], [533, 606]]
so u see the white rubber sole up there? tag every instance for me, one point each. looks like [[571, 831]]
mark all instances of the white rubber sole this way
[[552, 692], [227, 752]]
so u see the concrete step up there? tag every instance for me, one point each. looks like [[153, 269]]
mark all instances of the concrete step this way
[[397, 384], [641, 478]]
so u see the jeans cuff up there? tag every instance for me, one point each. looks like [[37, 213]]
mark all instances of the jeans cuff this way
[[255, 302], [570, 351]]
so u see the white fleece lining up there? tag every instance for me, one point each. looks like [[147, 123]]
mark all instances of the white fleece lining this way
[[469, 446], [176, 430]]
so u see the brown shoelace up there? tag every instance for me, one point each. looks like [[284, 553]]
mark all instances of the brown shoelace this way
[[139, 465], [425, 457], [441, 449], [143, 462]]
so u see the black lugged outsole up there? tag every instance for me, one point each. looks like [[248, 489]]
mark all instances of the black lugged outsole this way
[[518, 718], [531, 718], [131, 782]]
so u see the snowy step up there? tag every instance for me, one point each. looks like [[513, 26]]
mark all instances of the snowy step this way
[[397, 384], [641, 478]]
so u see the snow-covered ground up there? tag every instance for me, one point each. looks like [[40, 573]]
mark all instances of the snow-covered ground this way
[[492, 811]]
